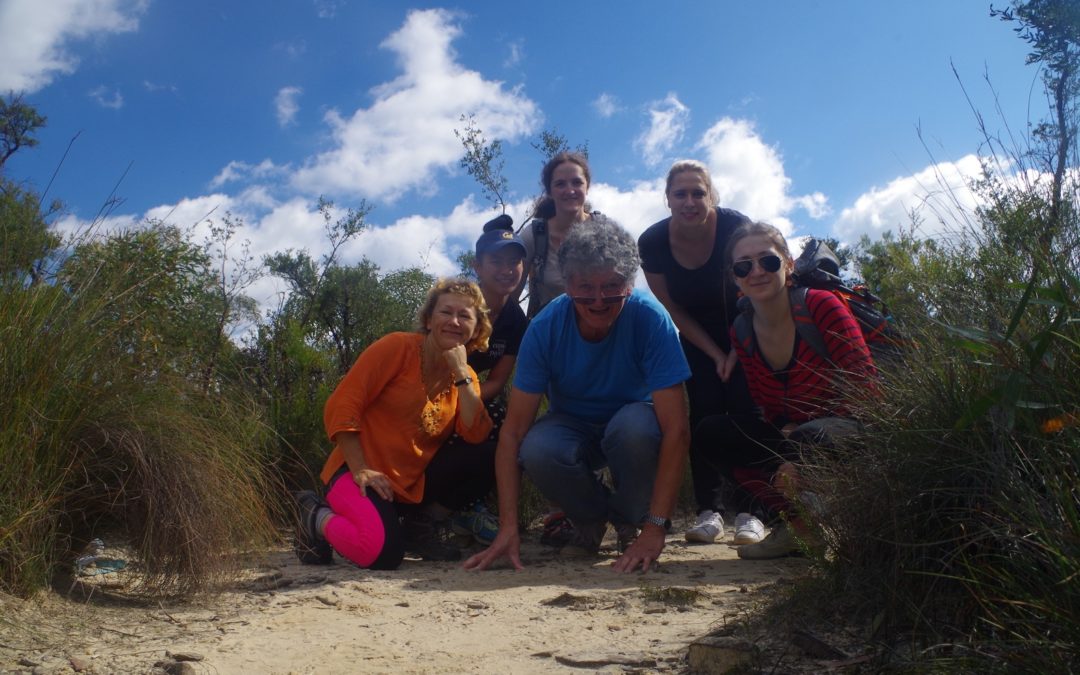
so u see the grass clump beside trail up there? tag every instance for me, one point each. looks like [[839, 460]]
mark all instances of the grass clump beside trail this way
[[103, 436], [954, 524]]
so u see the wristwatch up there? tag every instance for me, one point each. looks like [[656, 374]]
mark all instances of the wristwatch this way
[[659, 521], [464, 380]]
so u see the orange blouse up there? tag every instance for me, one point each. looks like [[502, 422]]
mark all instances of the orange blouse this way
[[384, 400]]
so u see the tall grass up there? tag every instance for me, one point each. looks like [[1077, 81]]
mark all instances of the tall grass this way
[[954, 524], [92, 444]]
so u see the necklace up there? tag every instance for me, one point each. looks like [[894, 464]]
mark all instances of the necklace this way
[[430, 415]]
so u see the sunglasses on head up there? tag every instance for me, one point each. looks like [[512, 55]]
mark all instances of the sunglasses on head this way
[[770, 263], [606, 299]]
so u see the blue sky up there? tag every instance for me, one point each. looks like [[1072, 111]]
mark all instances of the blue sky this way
[[807, 112]]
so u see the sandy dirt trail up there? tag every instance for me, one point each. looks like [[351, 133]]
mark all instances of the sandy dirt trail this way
[[555, 616]]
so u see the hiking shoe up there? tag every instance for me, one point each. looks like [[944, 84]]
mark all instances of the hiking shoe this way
[[780, 543], [748, 529], [708, 527], [586, 541], [558, 530], [477, 522], [626, 535], [428, 538], [311, 548]]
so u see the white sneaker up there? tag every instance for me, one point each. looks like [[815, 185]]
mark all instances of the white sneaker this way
[[708, 527], [748, 529]]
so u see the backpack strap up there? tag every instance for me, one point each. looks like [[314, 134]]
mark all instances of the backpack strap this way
[[539, 262], [800, 313], [804, 322], [744, 326]]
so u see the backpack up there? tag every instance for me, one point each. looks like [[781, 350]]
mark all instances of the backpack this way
[[819, 268], [539, 262]]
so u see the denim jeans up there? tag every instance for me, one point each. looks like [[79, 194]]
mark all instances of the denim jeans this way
[[563, 455]]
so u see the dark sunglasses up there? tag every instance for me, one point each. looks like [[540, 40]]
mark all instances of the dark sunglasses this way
[[769, 263], [606, 299]]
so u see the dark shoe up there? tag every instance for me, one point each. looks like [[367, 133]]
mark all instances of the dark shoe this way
[[558, 530], [586, 541], [311, 548], [429, 538], [626, 535]]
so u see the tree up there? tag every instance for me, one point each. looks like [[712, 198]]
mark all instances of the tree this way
[[234, 274], [25, 240], [1052, 28], [483, 160], [161, 297], [18, 122], [551, 143]]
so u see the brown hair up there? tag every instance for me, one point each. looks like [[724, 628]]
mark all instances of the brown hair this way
[[465, 288], [545, 206], [684, 165], [755, 230]]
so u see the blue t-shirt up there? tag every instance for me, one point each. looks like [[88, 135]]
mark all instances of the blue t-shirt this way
[[593, 380]]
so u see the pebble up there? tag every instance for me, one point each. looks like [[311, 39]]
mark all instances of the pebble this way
[[327, 600], [79, 663], [181, 668], [185, 656], [476, 604]]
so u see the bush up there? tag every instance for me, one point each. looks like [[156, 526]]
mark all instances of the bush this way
[[955, 521], [93, 440]]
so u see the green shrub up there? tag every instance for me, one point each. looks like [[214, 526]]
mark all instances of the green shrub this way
[[101, 436]]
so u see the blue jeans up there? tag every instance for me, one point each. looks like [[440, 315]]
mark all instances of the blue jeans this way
[[562, 455]]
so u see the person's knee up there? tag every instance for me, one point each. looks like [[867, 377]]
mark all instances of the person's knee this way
[[547, 448], [632, 434]]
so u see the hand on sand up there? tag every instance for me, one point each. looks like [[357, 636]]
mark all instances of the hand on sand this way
[[507, 543], [643, 553]]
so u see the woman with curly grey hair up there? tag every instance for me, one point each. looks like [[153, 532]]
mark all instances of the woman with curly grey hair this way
[[609, 361]]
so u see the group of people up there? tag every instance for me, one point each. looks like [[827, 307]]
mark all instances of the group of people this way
[[635, 384]]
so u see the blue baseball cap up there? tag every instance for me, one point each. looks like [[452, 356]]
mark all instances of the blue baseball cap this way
[[498, 233]]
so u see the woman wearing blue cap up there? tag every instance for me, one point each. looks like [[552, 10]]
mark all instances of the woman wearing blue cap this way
[[499, 266]]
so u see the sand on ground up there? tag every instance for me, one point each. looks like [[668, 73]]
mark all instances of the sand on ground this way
[[557, 615]]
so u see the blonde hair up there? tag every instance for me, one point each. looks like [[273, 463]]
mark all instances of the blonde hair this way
[[467, 289], [684, 165]]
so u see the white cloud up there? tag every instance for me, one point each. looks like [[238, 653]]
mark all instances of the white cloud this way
[[667, 123], [286, 104], [106, 99], [939, 196], [236, 171], [293, 49], [327, 9], [407, 134], [154, 87], [517, 53], [816, 205], [748, 173], [606, 105], [35, 36]]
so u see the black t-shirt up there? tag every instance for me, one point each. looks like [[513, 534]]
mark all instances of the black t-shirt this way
[[505, 338], [707, 293]]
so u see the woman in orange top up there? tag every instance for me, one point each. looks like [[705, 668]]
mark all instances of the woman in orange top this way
[[400, 401]]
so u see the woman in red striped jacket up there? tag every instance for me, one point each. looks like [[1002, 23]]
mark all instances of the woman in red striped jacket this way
[[802, 394]]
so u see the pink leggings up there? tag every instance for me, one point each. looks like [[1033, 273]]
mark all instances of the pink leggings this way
[[364, 528]]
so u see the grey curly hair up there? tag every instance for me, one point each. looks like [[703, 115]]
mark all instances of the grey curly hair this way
[[597, 245]]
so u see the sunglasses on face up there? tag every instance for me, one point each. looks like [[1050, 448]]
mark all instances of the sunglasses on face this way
[[606, 299], [769, 263]]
